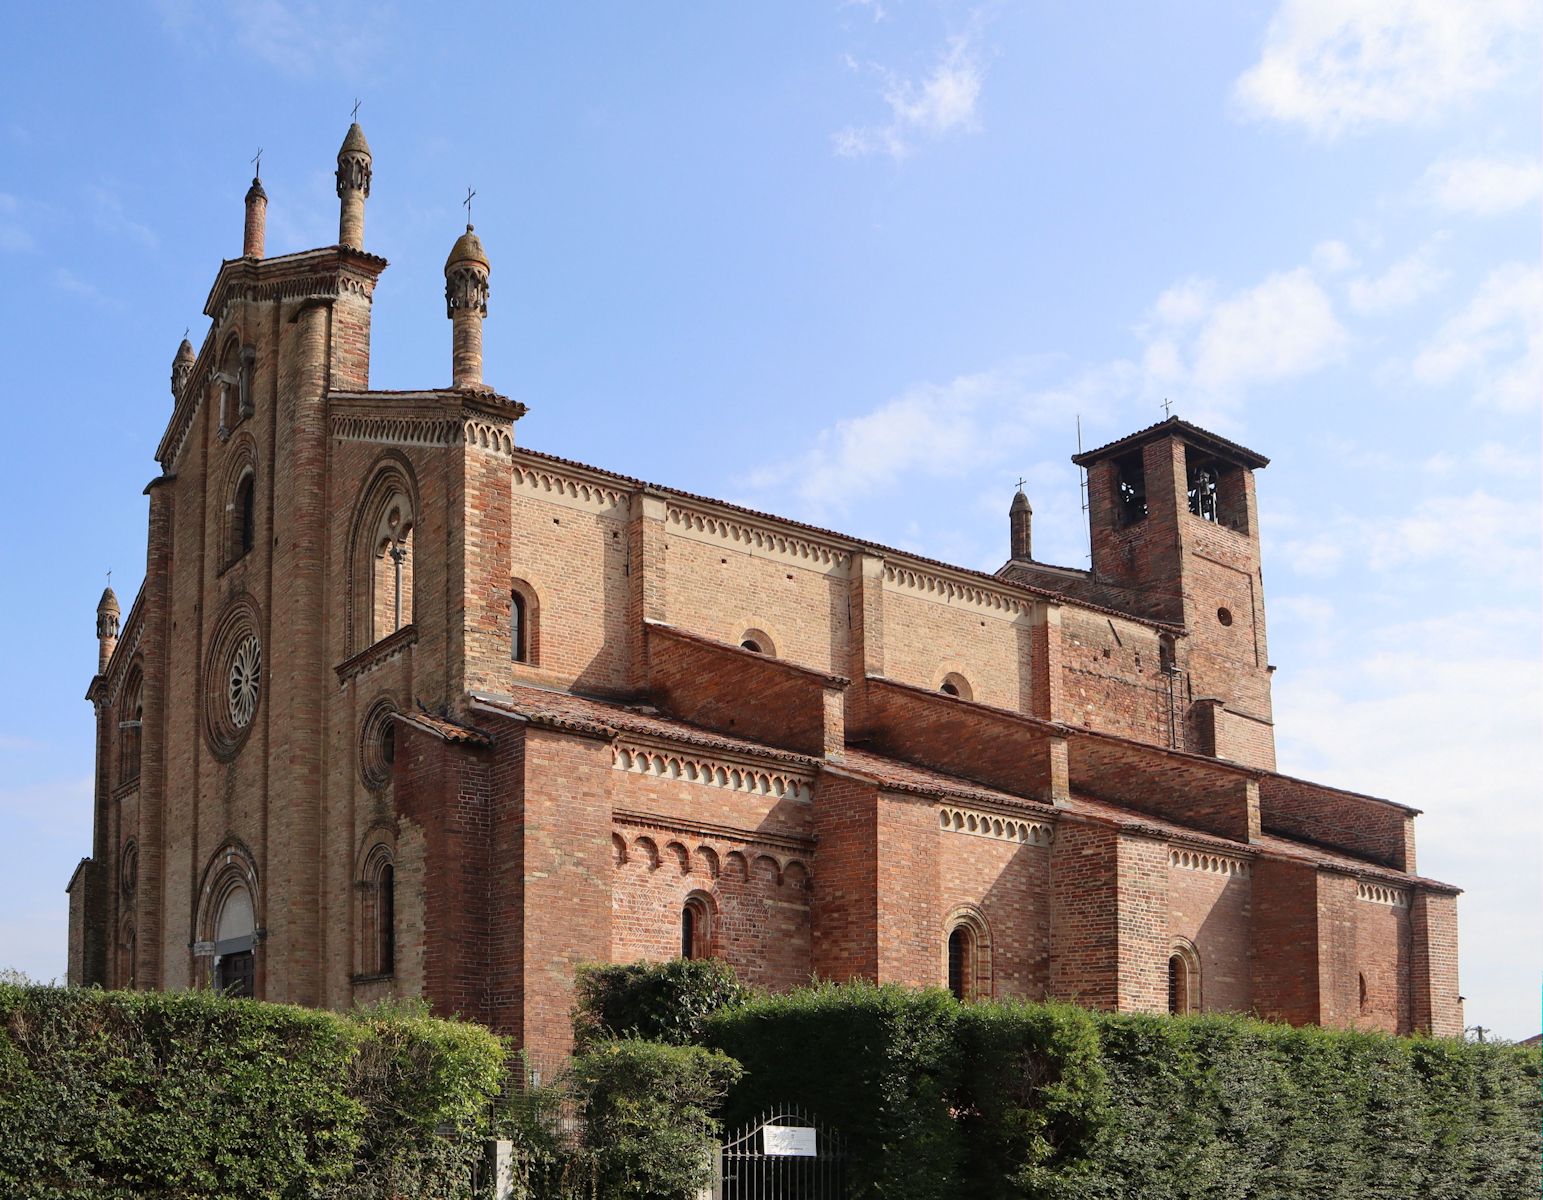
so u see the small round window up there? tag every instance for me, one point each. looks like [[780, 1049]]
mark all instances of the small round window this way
[[1224, 615], [377, 744]]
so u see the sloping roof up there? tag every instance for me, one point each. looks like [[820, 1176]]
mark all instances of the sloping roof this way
[[1203, 438], [850, 542]]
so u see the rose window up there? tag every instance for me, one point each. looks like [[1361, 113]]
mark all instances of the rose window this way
[[246, 666]]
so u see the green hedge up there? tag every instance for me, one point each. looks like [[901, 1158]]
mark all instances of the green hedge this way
[[120, 1094], [659, 1002], [1042, 1101], [648, 1116]]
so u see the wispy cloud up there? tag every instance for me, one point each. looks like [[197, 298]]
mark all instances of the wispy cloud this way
[[298, 37], [110, 216], [66, 281], [14, 237], [942, 103], [1406, 281], [1338, 66], [1495, 344], [1483, 187]]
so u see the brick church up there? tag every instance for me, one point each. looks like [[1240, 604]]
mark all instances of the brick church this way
[[406, 708]]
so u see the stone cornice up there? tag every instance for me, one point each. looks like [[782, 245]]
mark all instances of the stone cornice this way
[[373, 656], [753, 536], [710, 771], [951, 589], [428, 418]]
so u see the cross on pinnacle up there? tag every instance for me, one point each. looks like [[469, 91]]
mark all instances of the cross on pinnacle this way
[[1021, 482], [257, 164], [1167, 408], [467, 203], [355, 114]]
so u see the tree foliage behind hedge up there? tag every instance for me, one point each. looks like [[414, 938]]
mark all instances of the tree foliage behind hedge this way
[[1044, 1101], [658, 1002], [118, 1094]]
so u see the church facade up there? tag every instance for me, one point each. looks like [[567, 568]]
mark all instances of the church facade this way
[[405, 708]]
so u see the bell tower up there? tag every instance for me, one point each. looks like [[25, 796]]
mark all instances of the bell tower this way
[[1174, 528]]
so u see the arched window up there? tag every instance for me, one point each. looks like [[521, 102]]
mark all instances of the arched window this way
[[386, 934], [696, 927], [968, 955], [960, 952], [758, 641], [244, 517], [955, 684], [1366, 1005], [519, 647], [130, 727], [1183, 980], [524, 623], [382, 556], [235, 939], [127, 944], [378, 943], [393, 575]]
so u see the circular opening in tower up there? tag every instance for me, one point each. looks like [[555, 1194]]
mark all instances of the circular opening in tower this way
[[1224, 615]]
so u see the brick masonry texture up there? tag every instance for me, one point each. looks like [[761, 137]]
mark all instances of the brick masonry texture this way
[[1098, 796]]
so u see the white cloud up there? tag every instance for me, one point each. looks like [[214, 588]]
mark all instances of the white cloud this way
[[1333, 257], [1491, 460], [942, 103], [13, 236], [1213, 349], [873, 7], [1340, 65], [1402, 284], [1484, 532], [1495, 344], [1443, 713], [1483, 187], [953, 430]]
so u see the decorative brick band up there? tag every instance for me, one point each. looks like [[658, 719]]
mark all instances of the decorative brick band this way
[[710, 773], [423, 431], [1212, 864], [1377, 893], [952, 591], [1003, 829], [743, 534], [372, 656], [577, 493]]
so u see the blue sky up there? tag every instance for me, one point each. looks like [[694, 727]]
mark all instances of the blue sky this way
[[862, 264]]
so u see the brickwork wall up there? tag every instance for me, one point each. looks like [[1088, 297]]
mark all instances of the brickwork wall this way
[[907, 890], [706, 683], [1084, 939], [758, 896], [1382, 944], [1285, 941], [1338, 957], [946, 734], [573, 553], [927, 636], [845, 905], [1009, 883], [718, 588], [1435, 1006], [1142, 924], [1359, 825], [1210, 906], [1112, 679], [568, 876]]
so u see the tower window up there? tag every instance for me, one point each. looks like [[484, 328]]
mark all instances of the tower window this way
[[1202, 492], [1130, 488], [751, 645], [386, 936], [519, 648], [949, 688], [955, 684]]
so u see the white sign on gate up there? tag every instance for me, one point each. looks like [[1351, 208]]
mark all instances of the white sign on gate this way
[[788, 1140]]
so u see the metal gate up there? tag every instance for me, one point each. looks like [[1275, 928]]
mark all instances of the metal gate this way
[[784, 1155]]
